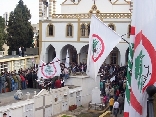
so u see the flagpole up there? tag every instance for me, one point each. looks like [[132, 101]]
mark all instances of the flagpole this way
[[151, 90], [124, 39]]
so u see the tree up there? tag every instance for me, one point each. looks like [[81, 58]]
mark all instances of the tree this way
[[2, 32], [20, 31]]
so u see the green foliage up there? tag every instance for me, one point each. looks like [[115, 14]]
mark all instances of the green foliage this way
[[2, 33], [20, 31]]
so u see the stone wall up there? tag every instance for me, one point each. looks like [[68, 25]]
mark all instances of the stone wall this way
[[15, 63]]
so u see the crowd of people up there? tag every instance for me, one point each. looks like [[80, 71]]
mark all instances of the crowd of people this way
[[111, 90], [112, 86], [27, 78], [22, 79]]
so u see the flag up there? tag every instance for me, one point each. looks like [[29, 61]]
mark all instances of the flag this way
[[67, 59], [128, 80], [143, 70], [102, 40], [130, 65], [112, 79], [49, 70]]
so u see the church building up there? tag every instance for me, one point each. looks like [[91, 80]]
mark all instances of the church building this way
[[70, 29]]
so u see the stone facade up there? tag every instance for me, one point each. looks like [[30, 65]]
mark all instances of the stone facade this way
[[70, 29]]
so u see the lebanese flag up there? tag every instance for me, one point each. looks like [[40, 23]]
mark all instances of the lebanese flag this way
[[144, 65], [129, 69], [102, 40], [49, 70], [130, 65]]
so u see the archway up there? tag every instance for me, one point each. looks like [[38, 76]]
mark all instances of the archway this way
[[72, 53], [84, 53], [126, 56], [113, 57], [51, 53]]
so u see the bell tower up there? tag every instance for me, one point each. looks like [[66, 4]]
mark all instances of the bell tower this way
[[45, 9]]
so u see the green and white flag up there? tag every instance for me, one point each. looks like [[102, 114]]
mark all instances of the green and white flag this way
[[49, 70], [144, 56], [130, 64], [129, 72], [102, 40]]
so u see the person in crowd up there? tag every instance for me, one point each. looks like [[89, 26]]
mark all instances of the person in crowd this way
[[23, 49], [2, 82], [58, 83], [111, 103], [30, 79], [8, 80], [23, 81], [19, 81], [15, 81], [101, 86], [107, 90], [4, 115], [121, 103], [111, 91], [62, 82], [20, 51], [12, 82], [105, 100], [34, 78], [41, 83], [47, 84], [66, 73], [115, 108]]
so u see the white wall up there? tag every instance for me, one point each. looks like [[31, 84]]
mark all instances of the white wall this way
[[59, 33], [104, 6], [87, 85]]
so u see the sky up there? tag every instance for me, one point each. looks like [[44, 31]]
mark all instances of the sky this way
[[33, 5]]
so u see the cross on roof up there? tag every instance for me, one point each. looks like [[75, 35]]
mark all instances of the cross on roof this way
[[94, 1]]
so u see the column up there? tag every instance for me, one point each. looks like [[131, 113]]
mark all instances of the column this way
[[50, 6], [45, 59], [122, 59], [78, 58], [54, 4], [40, 9]]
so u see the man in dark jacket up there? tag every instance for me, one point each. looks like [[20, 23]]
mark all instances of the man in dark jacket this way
[[34, 78], [8, 80], [2, 82], [121, 103]]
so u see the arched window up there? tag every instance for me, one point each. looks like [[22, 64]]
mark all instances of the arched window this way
[[114, 58], [69, 30], [51, 30], [112, 26], [83, 30], [88, 30]]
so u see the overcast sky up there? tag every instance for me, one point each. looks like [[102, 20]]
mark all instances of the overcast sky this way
[[33, 5]]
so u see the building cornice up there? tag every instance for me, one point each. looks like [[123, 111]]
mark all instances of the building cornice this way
[[88, 16]]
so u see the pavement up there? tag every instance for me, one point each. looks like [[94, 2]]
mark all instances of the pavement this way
[[8, 97]]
